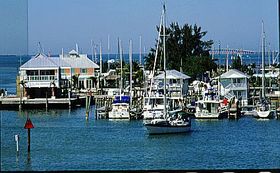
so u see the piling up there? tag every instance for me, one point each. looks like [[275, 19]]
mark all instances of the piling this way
[[28, 139], [47, 100], [69, 98], [88, 98], [17, 142]]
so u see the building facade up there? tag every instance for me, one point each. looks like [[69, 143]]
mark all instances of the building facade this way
[[235, 83], [44, 76]]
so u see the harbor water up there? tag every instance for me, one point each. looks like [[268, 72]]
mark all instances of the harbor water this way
[[63, 140]]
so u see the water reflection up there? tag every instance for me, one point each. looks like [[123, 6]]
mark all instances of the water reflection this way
[[28, 163]]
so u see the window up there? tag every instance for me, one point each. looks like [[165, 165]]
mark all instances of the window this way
[[83, 70], [32, 72], [46, 72]]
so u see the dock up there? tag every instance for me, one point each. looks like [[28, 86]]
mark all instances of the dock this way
[[25, 103]]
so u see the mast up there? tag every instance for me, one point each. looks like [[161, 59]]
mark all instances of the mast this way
[[108, 54], [263, 65], [95, 53], [100, 56], [219, 50], [92, 50], [121, 85], [130, 71], [140, 51], [213, 49], [77, 48], [227, 58], [164, 61]]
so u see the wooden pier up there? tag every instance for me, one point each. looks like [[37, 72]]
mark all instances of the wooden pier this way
[[25, 103], [103, 105]]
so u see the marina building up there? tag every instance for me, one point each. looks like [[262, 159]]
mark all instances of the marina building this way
[[44, 76], [235, 83], [177, 83]]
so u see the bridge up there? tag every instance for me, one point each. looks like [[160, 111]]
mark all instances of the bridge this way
[[232, 51], [225, 51]]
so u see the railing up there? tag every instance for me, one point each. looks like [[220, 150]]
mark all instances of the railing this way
[[41, 78], [236, 85]]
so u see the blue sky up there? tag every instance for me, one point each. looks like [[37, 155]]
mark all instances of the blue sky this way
[[13, 27], [62, 23]]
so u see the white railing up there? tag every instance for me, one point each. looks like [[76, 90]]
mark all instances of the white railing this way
[[236, 85], [41, 78]]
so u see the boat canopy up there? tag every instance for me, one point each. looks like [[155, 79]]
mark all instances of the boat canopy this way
[[121, 99]]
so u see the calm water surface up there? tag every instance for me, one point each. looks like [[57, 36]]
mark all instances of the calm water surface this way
[[64, 140]]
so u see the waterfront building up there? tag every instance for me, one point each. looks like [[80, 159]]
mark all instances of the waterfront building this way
[[81, 67], [235, 83], [111, 78], [177, 83], [44, 76]]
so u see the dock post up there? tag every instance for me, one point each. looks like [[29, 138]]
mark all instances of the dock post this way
[[87, 106], [46, 100], [17, 142], [95, 101], [28, 140], [20, 100], [69, 98]]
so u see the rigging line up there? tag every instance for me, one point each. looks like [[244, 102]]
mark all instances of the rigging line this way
[[153, 71]]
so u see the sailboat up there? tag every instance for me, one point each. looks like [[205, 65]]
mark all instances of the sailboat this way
[[179, 122], [121, 103], [263, 107]]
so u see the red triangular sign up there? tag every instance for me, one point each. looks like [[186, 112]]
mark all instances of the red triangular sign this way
[[28, 124]]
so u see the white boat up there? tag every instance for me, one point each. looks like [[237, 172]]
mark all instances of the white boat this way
[[120, 108], [153, 107], [263, 107], [210, 109], [119, 111], [179, 122], [263, 110]]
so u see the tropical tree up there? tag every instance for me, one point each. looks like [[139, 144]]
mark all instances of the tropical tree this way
[[185, 50]]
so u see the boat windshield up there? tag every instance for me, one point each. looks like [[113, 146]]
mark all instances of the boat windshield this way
[[154, 101]]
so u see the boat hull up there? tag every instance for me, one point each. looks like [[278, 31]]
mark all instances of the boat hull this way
[[263, 114], [118, 115], [199, 115], [157, 129]]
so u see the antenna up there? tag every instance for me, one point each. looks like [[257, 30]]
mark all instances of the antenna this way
[[40, 49]]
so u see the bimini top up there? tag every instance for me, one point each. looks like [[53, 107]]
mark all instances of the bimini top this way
[[173, 74], [121, 99], [233, 73]]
